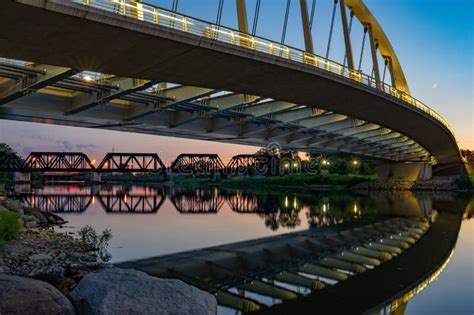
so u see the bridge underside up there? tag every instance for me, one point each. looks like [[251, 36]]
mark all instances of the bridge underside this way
[[109, 102], [272, 99]]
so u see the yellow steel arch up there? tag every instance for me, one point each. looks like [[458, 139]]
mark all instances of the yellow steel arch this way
[[365, 17]]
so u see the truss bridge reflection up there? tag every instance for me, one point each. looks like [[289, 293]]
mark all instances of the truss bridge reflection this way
[[197, 201], [276, 209]]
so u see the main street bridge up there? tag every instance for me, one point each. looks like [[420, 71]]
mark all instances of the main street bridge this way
[[130, 66]]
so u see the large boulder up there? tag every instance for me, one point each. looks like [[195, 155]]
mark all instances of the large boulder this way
[[126, 291], [24, 296]]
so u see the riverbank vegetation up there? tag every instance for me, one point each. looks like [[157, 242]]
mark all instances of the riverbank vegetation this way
[[286, 169], [297, 180], [9, 226], [6, 177]]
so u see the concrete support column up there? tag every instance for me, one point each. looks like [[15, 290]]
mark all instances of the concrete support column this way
[[404, 172], [168, 178], [21, 177], [96, 177], [95, 189]]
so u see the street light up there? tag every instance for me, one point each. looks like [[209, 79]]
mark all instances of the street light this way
[[87, 78]]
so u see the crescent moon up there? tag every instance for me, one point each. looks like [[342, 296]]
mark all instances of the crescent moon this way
[[434, 86]]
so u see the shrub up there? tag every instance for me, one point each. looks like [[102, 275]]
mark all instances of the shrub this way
[[91, 241], [340, 167], [9, 226]]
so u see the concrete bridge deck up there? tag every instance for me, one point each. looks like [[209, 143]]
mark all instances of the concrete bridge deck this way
[[109, 43]]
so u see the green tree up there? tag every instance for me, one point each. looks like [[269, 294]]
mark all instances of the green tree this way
[[6, 177], [340, 167]]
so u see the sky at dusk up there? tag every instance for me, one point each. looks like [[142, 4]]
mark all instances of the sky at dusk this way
[[433, 40]]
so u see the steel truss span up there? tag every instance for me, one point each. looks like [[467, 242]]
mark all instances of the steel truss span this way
[[80, 162], [185, 163], [351, 112]]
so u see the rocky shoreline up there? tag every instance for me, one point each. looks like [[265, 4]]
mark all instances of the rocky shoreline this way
[[47, 272], [40, 253]]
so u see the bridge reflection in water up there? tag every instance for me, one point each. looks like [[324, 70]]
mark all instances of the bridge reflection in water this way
[[355, 240], [319, 267], [275, 208], [288, 211]]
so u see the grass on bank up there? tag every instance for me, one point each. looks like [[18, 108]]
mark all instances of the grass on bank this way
[[290, 180], [299, 180], [9, 226]]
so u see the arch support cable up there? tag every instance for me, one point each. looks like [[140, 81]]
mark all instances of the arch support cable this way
[[219, 12], [242, 16], [311, 19], [174, 8], [373, 50], [305, 20], [385, 62], [347, 36], [350, 29], [362, 48], [285, 22], [255, 17], [392, 75], [331, 28]]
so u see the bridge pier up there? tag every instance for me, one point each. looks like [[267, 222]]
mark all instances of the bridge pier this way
[[95, 189], [410, 172], [21, 177], [168, 178], [96, 177]]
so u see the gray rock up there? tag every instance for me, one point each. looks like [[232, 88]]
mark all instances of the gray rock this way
[[53, 274], [39, 216], [31, 224], [27, 296], [28, 217], [121, 291], [40, 257], [20, 212]]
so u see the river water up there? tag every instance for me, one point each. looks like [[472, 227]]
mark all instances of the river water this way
[[154, 221]]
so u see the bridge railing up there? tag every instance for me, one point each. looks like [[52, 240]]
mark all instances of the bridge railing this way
[[162, 17]]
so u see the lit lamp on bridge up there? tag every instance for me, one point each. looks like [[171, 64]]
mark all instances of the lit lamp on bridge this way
[[87, 78]]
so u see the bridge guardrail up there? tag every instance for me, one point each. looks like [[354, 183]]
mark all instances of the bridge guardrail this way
[[155, 15]]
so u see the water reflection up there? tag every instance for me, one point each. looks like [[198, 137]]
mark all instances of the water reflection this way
[[171, 220], [277, 209], [196, 201]]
